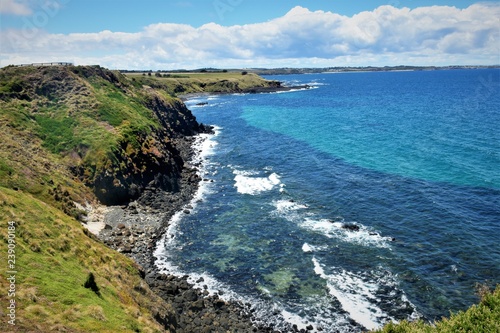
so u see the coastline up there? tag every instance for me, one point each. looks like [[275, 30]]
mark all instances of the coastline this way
[[137, 229], [255, 90]]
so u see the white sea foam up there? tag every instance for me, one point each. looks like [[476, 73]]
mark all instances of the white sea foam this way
[[356, 295], [204, 146], [362, 236], [308, 248], [250, 182], [287, 206]]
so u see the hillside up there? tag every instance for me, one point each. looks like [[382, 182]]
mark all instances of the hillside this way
[[92, 125], [71, 137]]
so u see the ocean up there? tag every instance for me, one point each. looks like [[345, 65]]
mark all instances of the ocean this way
[[371, 197]]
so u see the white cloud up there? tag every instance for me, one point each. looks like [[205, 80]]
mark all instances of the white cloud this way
[[14, 7], [435, 35]]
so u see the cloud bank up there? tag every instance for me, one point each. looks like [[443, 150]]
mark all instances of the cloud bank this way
[[437, 35], [13, 7]]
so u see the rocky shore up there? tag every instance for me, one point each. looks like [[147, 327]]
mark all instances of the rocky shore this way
[[135, 229], [254, 90]]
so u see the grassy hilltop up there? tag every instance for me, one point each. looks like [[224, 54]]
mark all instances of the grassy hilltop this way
[[178, 84]]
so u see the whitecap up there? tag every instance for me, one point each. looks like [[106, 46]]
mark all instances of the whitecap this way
[[362, 235], [307, 248], [247, 182], [284, 207], [359, 293], [354, 294]]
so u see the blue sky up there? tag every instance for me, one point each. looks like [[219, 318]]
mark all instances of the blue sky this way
[[242, 33]]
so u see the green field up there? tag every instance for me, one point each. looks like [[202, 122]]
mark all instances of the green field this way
[[179, 84]]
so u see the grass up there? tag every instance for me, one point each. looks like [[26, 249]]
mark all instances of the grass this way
[[54, 257], [84, 129]]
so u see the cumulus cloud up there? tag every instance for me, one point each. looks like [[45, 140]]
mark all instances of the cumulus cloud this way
[[435, 35]]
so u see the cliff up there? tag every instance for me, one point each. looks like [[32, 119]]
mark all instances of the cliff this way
[[100, 128], [73, 136]]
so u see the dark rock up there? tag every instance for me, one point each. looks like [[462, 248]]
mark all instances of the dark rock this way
[[190, 295], [350, 227], [219, 303]]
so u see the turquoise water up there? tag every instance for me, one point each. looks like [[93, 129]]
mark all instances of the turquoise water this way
[[372, 197], [437, 127]]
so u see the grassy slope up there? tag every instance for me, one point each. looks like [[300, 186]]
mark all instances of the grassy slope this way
[[52, 121], [54, 256], [62, 119]]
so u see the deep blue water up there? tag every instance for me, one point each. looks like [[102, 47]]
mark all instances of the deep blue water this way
[[409, 160]]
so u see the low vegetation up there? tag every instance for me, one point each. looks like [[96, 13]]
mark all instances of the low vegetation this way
[[481, 318], [61, 128]]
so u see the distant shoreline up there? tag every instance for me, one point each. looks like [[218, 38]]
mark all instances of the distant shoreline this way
[[255, 90], [311, 70]]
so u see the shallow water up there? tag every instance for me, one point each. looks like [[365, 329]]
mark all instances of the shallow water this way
[[373, 197]]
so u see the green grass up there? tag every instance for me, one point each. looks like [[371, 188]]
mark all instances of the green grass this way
[[57, 134], [54, 256]]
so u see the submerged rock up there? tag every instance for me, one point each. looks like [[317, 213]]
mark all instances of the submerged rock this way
[[350, 227]]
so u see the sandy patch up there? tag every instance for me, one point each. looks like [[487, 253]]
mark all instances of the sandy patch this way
[[95, 217]]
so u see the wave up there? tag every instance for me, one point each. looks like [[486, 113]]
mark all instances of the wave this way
[[351, 232], [348, 232], [203, 146], [250, 182], [363, 295], [308, 248]]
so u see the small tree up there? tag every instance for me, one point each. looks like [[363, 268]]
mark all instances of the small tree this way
[[244, 73]]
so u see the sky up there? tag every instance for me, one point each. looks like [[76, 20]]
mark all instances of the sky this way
[[163, 34]]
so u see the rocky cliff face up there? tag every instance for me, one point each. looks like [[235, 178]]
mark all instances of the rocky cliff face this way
[[115, 135]]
